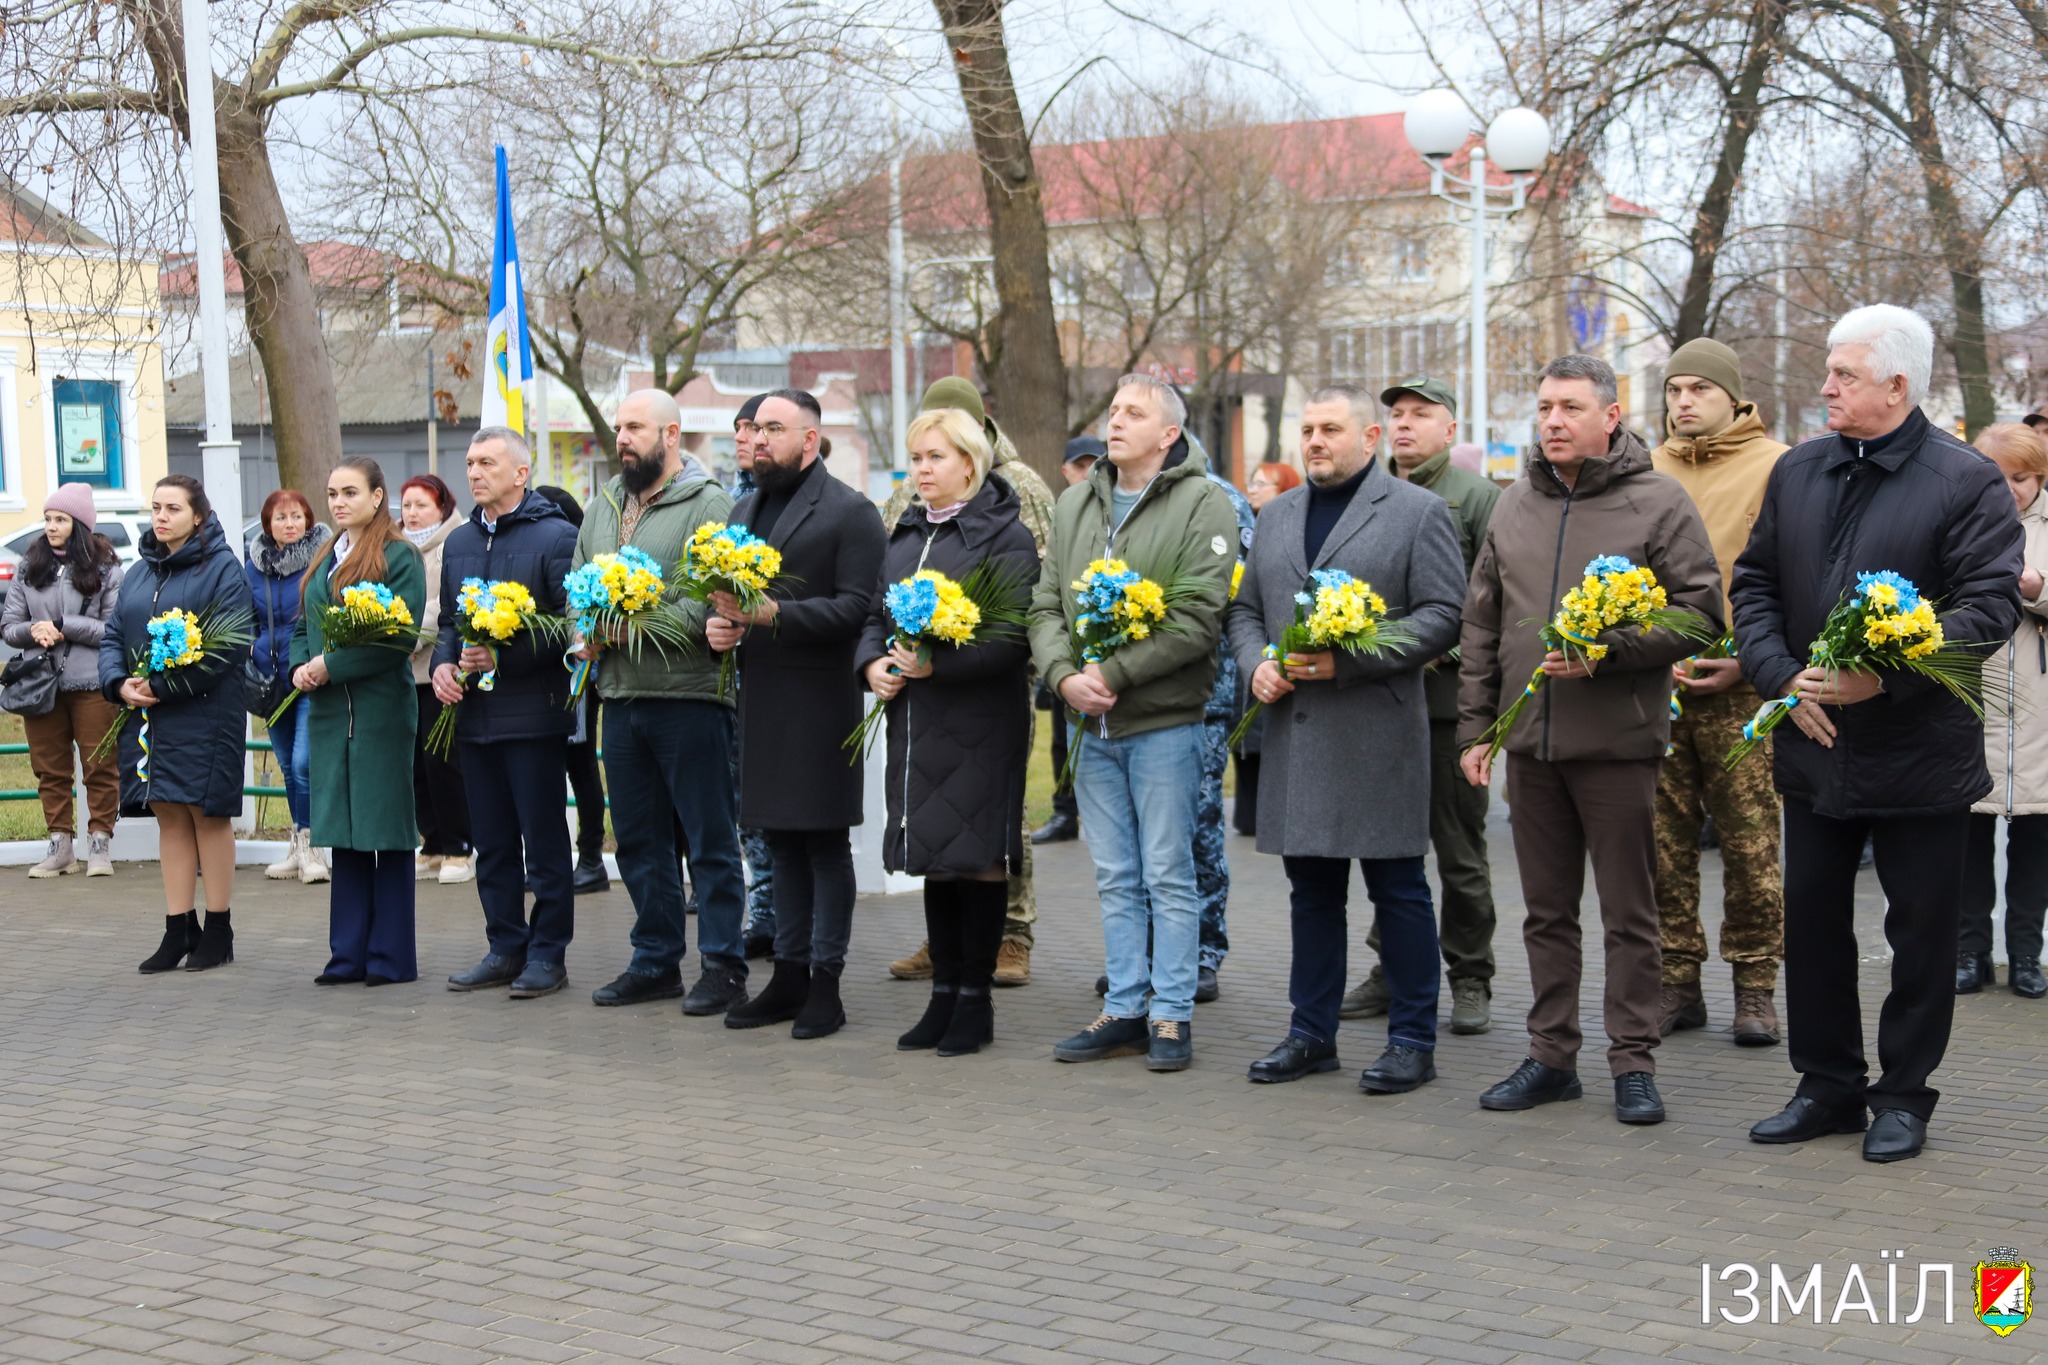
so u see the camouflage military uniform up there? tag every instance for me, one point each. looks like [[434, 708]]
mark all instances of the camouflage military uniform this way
[[1035, 511], [1745, 811], [1212, 868]]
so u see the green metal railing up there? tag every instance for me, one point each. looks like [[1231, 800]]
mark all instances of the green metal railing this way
[[250, 745]]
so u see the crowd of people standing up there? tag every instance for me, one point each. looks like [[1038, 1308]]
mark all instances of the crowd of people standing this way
[[1621, 758]]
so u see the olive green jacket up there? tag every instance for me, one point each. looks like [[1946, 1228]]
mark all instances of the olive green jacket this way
[[664, 529], [363, 722], [1471, 500], [1183, 531]]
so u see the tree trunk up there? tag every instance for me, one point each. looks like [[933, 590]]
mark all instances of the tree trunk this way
[[1962, 241], [1710, 225], [277, 289], [1028, 382], [283, 315]]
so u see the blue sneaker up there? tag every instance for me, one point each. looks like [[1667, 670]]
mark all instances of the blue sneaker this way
[[540, 978], [1108, 1036]]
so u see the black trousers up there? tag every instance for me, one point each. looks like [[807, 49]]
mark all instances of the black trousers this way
[[515, 799], [441, 806], [1244, 815], [1920, 867], [588, 783], [813, 895], [2026, 886], [1063, 803]]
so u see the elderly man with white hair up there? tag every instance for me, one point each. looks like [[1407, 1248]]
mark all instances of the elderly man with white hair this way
[[1886, 754]]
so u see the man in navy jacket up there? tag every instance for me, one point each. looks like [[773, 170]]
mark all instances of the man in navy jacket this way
[[1886, 755], [512, 740]]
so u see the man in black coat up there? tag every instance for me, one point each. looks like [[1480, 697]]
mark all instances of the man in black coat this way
[[512, 740], [799, 698], [1890, 755]]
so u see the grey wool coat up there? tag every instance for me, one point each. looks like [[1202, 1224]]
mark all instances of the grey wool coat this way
[[1345, 768]]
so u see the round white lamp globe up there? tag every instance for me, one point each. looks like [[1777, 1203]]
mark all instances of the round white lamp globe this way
[[1437, 123], [1517, 140]]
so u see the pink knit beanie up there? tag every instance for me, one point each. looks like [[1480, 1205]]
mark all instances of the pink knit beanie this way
[[74, 500]]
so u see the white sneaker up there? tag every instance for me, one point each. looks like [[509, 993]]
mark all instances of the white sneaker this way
[[99, 857], [60, 859], [457, 870], [286, 868], [426, 867], [313, 863]]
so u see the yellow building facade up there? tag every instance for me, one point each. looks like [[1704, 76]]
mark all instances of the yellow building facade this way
[[81, 368]]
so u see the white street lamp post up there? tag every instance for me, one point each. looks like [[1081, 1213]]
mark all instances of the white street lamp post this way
[[220, 454], [1437, 125]]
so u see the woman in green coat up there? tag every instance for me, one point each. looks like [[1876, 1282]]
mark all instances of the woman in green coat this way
[[362, 722]]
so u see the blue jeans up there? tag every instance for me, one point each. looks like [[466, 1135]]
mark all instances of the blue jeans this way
[[1318, 889], [656, 755], [1138, 795], [291, 742]]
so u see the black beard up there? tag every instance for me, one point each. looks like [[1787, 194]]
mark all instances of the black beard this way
[[771, 477], [640, 473]]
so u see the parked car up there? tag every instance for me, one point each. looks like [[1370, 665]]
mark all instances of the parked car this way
[[123, 531]]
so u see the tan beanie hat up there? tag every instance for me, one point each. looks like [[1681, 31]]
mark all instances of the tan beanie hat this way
[[1706, 358]]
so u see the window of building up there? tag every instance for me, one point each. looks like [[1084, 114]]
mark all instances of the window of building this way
[[87, 417], [1411, 258]]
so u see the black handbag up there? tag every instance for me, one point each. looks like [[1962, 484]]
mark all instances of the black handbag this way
[[28, 685]]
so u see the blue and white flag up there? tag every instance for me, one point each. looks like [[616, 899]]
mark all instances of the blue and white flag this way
[[505, 341]]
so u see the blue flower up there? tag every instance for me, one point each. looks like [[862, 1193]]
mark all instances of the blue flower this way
[[1909, 596], [1328, 578], [911, 604], [1609, 564], [586, 590]]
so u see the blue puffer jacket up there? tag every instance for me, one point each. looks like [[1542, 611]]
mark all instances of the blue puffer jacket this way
[[196, 727], [533, 544], [276, 573]]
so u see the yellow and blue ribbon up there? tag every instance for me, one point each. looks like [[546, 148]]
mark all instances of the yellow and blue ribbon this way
[[142, 738], [1760, 724]]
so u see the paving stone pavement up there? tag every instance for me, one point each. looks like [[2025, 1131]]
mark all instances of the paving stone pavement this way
[[239, 1165]]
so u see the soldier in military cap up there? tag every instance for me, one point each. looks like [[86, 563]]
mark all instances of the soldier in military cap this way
[[1422, 425]]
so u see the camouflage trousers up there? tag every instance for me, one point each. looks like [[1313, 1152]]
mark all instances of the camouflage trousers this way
[[1212, 868], [1693, 783], [1021, 913]]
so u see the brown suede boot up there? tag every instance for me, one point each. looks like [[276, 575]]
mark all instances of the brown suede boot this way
[[1756, 1018], [1681, 1007]]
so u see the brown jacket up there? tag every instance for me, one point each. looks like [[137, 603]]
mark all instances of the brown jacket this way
[[1540, 540]]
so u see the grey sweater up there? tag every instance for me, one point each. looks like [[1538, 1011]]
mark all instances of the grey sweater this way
[[81, 621]]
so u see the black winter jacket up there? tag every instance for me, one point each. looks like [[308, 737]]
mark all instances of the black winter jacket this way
[[799, 697], [1921, 504], [959, 740], [196, 728], [534, 544]]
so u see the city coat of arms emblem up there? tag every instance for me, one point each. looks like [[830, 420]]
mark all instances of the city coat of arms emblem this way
[[2004, 1290]]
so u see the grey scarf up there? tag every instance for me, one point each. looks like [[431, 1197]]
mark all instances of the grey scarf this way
[[289, 561]]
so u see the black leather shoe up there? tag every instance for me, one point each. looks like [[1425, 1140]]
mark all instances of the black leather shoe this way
[[1894, 1135], [335, 979], [492, 971], [1102, 985], [1805, 1119], [2025, 978], [1974, 972], [1636, 1099], [1532, 1084], [539, 978], [590, 876], [371, 979], [717, 990], [637, 988], [1398, 1071], [1207, 988], [758, 946], [1057, 830], [1294, 1058]]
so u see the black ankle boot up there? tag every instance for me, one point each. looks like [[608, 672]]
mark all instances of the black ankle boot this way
[[778, 1002], [973, 1023], [216, 943], [927, 1031], [822, 1014], [181, 936]]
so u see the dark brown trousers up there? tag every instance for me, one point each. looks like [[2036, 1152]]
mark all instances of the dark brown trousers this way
[[1560, 812]]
